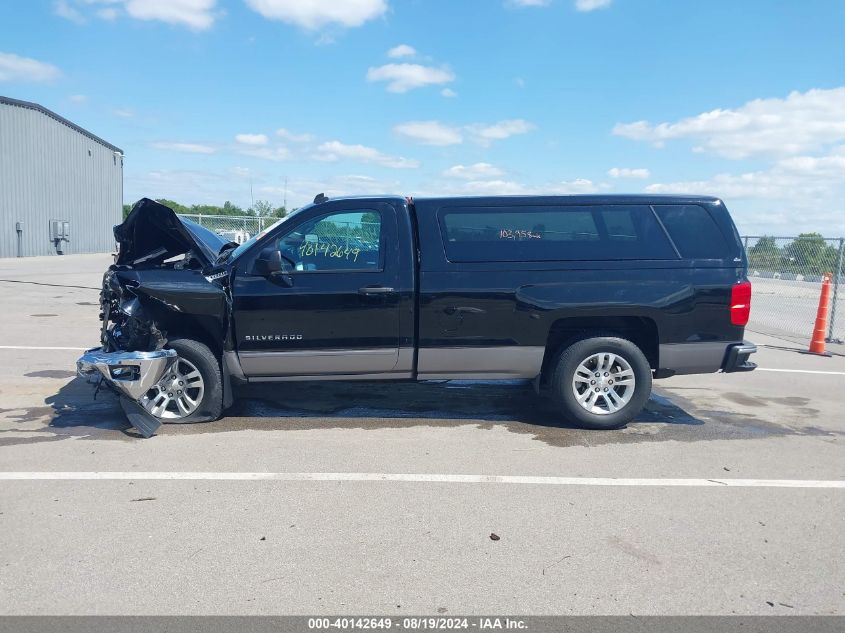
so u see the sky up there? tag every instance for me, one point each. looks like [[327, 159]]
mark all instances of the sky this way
[[278, 100]]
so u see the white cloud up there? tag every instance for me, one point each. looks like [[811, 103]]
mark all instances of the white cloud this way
[[331, 151], [66, 10], [405, 77], [802, 122], [448, 92], [123, 113], [499, 187], [492, 188], [189, 148], [315, 14], [430, 132], [188, 186], [579, 185], [294, 138], [198, 15], [252, 139], [806, 178], [108, 13], [486, 133], [591, 5], [437, 133], [476, 171], [266, 153], [403, 50], [301, 190], [78, 98], [195, 14], [800, 192], [628, 172], [528, 3], [16, 68]]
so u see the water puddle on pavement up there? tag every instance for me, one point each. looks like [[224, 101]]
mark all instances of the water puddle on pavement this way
[[72, 413]]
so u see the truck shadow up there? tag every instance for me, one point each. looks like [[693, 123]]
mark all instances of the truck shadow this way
[[490, 401], [72, 412]]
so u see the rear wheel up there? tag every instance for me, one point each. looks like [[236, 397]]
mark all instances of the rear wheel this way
[[601, 382], [191, 390]]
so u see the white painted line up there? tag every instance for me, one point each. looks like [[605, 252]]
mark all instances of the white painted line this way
[[29, 347], [802, 371], [421, 478]]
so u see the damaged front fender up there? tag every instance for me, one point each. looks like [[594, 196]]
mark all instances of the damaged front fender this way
[[177, 301]]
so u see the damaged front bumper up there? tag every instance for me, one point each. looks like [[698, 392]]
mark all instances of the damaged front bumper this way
[[131, 373]]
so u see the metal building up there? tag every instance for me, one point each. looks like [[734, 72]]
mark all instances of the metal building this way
[[61, 187]]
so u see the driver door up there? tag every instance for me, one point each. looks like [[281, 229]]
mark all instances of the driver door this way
[[334, 308]]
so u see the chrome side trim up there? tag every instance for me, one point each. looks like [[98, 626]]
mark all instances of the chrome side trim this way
[[133, 373], [495, 363], [317, 362], [399, 375], [694, 358]]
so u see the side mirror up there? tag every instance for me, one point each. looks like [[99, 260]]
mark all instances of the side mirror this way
[[273, 266], [269, 262]]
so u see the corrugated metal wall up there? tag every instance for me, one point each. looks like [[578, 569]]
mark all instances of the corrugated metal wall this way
[[50, 171]]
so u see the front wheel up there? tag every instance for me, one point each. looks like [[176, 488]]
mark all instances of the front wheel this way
[[601, 382], [191, 390]]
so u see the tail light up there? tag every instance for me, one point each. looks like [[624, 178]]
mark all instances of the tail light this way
[[740, 303]]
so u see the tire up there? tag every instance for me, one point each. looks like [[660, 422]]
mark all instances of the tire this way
[[207, 395], [625, 397]]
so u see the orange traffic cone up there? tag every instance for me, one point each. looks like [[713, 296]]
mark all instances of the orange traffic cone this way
[[820, 331]]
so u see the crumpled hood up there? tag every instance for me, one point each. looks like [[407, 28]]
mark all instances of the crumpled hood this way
[[153, 233]]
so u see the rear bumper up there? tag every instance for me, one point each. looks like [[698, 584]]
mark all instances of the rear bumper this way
[[736, 358], [705, 357], [131, 373]]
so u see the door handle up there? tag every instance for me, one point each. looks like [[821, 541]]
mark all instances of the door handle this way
[[374, 290], [461, 310]]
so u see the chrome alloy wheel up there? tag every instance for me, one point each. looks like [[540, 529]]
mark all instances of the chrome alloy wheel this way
[[603, 383], [177, 394]]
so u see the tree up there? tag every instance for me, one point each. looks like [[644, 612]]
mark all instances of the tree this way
[[809, 253], [178, 208], [231, 209], [765, 254], [261, 208]]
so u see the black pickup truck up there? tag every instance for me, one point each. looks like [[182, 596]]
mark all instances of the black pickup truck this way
[[590, 297]]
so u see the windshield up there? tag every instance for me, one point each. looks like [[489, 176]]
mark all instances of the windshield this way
[[243, 248]]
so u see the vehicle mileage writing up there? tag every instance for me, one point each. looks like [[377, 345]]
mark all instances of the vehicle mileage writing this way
[[519, 234]]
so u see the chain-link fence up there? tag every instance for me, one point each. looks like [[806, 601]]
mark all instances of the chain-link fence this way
[[786, 274]]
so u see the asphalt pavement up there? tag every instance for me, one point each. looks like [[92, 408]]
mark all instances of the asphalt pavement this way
[[725, 496]]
